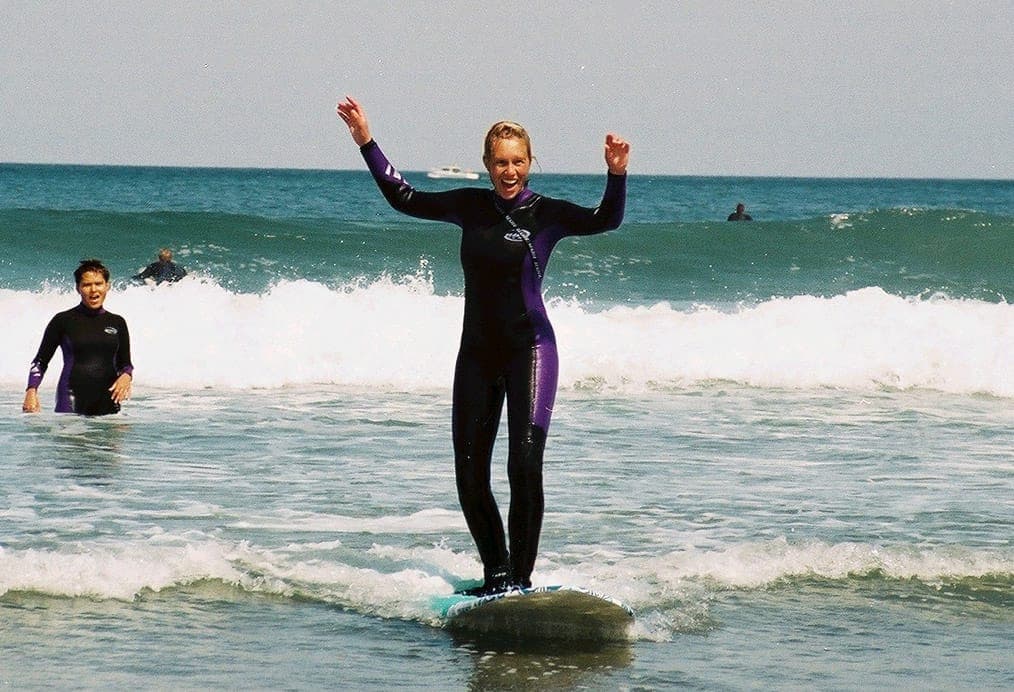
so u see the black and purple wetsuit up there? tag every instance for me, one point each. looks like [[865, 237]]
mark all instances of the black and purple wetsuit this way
[[507, 346], [96, 350]]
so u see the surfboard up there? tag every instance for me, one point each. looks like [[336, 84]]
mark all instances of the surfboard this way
[[543, 612]]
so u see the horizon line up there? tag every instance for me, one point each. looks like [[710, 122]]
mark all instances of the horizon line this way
[[310, 169]]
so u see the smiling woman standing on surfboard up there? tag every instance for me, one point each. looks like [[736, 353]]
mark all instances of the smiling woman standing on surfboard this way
[[508, 349]]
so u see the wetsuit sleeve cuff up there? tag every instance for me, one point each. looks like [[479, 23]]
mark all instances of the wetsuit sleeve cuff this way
[[35, 376], [369, 145]]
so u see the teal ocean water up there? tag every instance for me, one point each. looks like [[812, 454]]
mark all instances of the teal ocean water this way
[[787, 444]]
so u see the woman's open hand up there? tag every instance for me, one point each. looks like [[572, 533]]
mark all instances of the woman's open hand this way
[[120, 391], [355, 117]]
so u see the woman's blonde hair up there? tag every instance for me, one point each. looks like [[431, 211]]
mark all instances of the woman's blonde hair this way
[[505, 129]]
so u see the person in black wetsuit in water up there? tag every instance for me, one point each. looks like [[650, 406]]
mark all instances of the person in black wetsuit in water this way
[[507, 344], [97, 373], [740, 214], [162, 270]]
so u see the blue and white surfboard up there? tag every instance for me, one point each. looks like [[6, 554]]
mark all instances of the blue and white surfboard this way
[[545, 612]]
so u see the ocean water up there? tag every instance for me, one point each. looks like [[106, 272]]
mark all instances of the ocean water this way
[[788, 445]]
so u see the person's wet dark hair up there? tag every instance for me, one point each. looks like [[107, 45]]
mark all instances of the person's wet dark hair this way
[[90, 265]]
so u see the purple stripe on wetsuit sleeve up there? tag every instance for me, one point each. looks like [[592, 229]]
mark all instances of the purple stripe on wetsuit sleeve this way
[[35, 373], [378, 164]]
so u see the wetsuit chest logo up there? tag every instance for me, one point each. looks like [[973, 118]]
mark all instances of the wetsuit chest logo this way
[[519, 235], [110, 330]]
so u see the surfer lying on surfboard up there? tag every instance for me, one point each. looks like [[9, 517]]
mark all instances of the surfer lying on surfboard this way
[[508, 349]]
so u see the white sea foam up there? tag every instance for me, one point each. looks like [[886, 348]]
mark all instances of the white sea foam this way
[[425, 521], [115, 571], [756, 565], [670, 592], [399, 334]]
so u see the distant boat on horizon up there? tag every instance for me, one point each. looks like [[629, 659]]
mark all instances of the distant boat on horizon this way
[[453, 172]]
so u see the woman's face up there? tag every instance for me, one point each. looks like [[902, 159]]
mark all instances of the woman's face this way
[[93, 289], [508, 167]]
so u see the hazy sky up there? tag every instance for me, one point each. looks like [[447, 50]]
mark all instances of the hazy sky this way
[[788, 87]]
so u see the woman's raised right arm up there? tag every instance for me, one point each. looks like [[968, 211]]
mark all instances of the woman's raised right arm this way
[[434, 206]]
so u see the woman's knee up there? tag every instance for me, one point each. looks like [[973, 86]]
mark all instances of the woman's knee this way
[[525, 458]]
